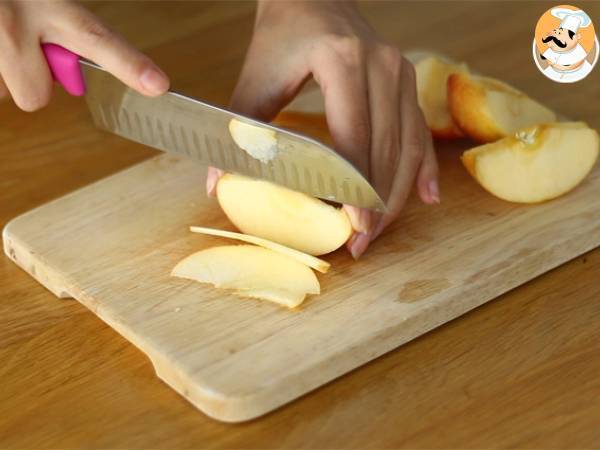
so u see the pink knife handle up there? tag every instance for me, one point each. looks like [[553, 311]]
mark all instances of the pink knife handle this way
[[65, 68]]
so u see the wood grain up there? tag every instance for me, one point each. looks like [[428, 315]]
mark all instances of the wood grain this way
[[517, 372]]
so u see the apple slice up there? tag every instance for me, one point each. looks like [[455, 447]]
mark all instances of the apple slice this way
[[304, 258], [252, 272], [537, 163], [281, 215], [487, 109], [432, 79]]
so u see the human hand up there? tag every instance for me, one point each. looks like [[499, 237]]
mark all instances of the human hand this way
[[370, 99], [24, 73]]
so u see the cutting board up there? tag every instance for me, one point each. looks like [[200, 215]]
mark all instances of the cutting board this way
[[112, 245]]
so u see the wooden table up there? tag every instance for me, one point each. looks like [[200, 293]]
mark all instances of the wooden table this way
[[522, 371]]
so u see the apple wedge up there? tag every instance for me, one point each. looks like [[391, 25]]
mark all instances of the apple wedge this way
[[488, 110], [281, 215], [538, 163], [432, 80], [304, 258], [251, 271]]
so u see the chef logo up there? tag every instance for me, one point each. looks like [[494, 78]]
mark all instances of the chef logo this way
[[565, 47]]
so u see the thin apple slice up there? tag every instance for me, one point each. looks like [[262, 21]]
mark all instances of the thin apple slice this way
[[283, 297], [281, 215], [536, 164], [487, 109], [304, 258], [432, 79], [251, 271]]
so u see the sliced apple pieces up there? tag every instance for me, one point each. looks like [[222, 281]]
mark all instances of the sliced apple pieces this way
[[432, 80], [304, 258], [488, 110], [281, 215], [251, 271], [537, 163]]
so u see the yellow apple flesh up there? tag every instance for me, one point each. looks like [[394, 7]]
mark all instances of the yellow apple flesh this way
[[488, 110], [304, 258], [258, 142], [281, 215], [537, 163], [251, 271], [432, 80]]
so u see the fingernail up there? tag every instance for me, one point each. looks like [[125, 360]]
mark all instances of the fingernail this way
[[434, 191], [154, 81], [359, 245]]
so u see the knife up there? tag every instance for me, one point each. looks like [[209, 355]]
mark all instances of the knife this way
[[178, 124]]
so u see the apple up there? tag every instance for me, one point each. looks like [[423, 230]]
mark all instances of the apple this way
[[258, 142], [304, 258], [269, 211], [251, 271], [537, 163], [432, 73], [487, 109]]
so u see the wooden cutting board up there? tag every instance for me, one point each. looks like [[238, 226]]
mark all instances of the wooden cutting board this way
[[112, 245]]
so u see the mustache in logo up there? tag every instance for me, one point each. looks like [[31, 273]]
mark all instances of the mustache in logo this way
[[556, 41]]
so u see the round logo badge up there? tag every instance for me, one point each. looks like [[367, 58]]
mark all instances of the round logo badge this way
[[565, 46]]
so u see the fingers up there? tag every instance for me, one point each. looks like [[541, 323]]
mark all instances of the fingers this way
[[413, 135], [427, 179], [25, 71], [264, 88], [339, 69], [80, 31], [3, 89], [212, 178]]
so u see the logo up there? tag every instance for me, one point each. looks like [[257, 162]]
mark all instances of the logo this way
[[565, 47]]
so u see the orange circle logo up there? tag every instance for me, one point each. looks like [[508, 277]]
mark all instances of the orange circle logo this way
[[565, 46]]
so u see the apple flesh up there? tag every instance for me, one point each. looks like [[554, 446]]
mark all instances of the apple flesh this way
[[536, 164], [304, 258], [488, 110], [251, 271], [432, 79], [269, 211], [258, 142]]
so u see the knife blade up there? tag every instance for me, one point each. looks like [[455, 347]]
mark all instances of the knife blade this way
[[206, 133], [178, 124]]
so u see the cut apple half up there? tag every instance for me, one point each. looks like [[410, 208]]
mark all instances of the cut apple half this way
[[304, 258], [432, 81], [269, 211], [251, 271], [537, 163], [487, 109]]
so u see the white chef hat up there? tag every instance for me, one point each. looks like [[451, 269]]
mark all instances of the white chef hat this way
[[570, 19]]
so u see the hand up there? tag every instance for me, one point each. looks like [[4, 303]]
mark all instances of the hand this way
[[370, 99], [24, 73]]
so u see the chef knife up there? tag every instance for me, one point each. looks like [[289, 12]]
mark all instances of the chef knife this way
[[178, 124]]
